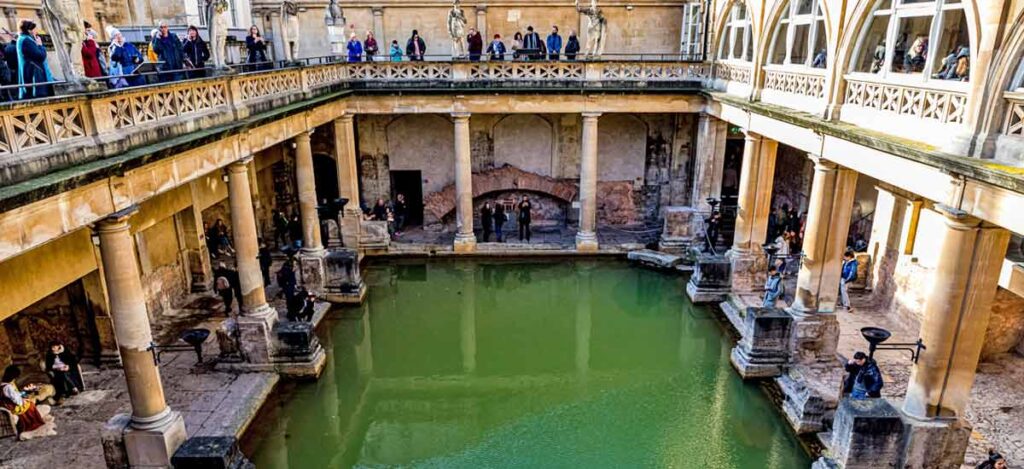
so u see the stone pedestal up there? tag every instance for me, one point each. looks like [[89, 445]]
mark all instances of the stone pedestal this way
[[683, 230], [764, 349], [711, 280], [125, 445], [866, 434], [312, 270], [210, 452], [749, 269], [810, 395], [255, 335], [344, 283], [815, 338], [938, 443]]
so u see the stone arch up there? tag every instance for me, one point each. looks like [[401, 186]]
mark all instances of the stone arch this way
[[525, 141], [325, 172], [772, 18], [621, 147], [439, 204], [425, 143], [1007, 65], [722, 16]]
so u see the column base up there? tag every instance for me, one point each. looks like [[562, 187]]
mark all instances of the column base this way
[[312, 270], [255, 334], [213, 452], [815, 337], [811, 394], [347, 295], [711, 280], [465, 242], [749, 269], [125, 445], [586, 241], [763, 352]]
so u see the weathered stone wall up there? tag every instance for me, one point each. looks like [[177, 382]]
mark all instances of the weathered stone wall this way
[[164, 278], [61, 316], [1006, 325], [794, 172]]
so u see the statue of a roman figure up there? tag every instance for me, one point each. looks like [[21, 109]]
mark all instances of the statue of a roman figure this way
[[63, 20], [218, 20], [290, 25], [596, 24], [457, 29]]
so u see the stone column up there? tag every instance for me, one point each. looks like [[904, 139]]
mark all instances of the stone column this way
[[195, 242], [378, 27], [152, 433], [257, 321], [465, 240], [956, 315], [710, 161], [886, 231], [348, 178], [586, 238], [311, 259], [280, 51], [481, 22], [755, 193]]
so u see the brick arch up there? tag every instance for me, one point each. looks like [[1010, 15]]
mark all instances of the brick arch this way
[[506, 178]]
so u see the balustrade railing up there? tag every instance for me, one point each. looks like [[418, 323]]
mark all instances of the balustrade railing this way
[[809, 84], [1014, 124], [939, 105]]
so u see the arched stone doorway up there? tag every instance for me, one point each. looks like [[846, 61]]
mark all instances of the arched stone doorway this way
[[325, 172]]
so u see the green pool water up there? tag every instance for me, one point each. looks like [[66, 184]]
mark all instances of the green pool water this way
[[488, 364]]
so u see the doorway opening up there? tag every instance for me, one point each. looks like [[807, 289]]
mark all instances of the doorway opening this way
[[410, 184]]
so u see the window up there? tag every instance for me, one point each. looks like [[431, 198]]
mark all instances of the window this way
[[692, 44], [799, 38], [736, 41], [916, 38]]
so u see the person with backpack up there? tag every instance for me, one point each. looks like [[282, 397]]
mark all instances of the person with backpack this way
[[223, 287], [773, 288], [849, 274]]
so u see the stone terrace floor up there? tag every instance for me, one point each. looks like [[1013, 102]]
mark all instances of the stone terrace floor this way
[[997, 401]]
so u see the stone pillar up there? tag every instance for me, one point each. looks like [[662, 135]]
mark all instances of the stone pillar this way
[[586, 238], [378, 28], [311, 259], [280, 51], [348, 178], [465, 240], [153, 432], [195, 242], [756, 177], [956, 316], [886, 228], [710, 161], [258, 318], [481, 22]]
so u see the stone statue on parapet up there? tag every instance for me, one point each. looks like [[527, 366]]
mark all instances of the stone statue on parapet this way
[[63, 20], [335, 16], [218, 20], [596, 25], [290, 25], [457, 29], [335, 19]]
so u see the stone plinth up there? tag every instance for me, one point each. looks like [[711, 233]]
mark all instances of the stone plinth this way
[[254, 335], [810, 395], [935, 442], [749, 269], [312, 270], [344, 283], [210, 452], [711, 279], [683, 229], [764, 349], [654, 258], [815, 337], [126, 445], [374, 235], [867, 434]]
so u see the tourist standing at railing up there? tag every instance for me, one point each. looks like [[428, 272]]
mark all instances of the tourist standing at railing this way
[[525, 218], [475, 44], [572, 46], [124, 57], [554, 43], [533, 44], [32, 67], [197, 52], [91, 56], [150, 53], [355, 48], [8, 65], [415, 47], [370, 46], [396, 51], [517, 44], [168, 48], [256, 47], [496, 48]]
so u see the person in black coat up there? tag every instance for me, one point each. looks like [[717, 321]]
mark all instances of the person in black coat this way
[[168, 48], [486, 220], [62, 366], [256, 49], [196, 53], [525, 218], [265, 261], [499, 221], [572, 46], [415, 47]]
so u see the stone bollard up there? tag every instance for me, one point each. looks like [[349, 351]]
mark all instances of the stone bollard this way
[[344, 283], [866, 434], [763, 351], [683, 230], [711, 280]]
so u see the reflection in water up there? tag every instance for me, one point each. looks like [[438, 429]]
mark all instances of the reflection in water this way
[[476, 364]]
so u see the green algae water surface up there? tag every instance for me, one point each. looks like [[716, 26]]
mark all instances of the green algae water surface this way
[[491, 364]]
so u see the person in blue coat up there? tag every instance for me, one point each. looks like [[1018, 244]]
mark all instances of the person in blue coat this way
[[32, 67], [496, 48], [773, 288], [124, 58], [849, 274], [355, 49], [554, 43], [168, 48]]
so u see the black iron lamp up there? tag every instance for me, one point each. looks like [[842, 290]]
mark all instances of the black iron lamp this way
[[876, 335]]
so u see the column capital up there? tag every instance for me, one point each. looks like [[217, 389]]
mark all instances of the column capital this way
[[10, 12], [821, 164], [751, 136], [117, 221], [240, 166], [377, 10], [460, 116], [481, 9], [956, 218], [304, 135], [591, 115]]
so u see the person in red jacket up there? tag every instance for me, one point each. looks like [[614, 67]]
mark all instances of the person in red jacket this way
[[91, 56]]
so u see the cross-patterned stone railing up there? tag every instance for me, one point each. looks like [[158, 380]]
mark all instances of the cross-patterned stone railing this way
[[803, 83], [940, 105], [1014, 124]]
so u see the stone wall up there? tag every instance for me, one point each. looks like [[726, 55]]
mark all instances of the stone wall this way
[[649, 154], [62, 316], [164, 278], [794, 172]]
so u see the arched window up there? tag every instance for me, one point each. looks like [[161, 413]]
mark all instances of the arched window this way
[[737, 42], [926, 39], [799, 38]]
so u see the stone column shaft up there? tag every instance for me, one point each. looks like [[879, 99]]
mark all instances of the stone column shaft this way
[[586, 238], [280, 48], [243, 226], [311, 241], [378, 27], [956, 316], [465, 240], [828, 224], [710, 162], [755, 193], [348, 178], [131, 321], [481, 21]]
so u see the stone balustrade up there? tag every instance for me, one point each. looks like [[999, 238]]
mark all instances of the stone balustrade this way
[[939, 105], [809, 83], [1014, 125]]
